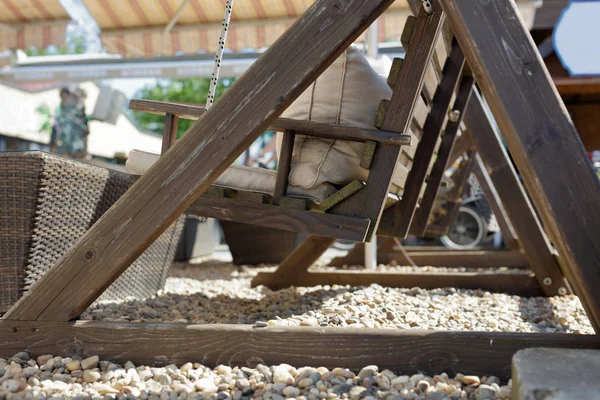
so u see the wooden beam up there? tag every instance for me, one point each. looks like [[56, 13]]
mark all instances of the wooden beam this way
[[316, 129], [178, 178], [514, 199], [170, 132], [441, 163], [491, 195], [539, 134], [285, 218], [405, 209], [437, 257], [284, 165], [370, 202], [516, 283], [295, 266], [402, 351]]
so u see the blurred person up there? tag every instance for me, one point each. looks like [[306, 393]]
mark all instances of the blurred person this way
[[70, 129]]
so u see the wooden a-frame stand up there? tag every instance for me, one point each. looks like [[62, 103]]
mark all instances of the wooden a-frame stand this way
[[539, 134]]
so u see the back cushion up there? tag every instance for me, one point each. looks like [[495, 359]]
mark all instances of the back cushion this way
[[347, 93]]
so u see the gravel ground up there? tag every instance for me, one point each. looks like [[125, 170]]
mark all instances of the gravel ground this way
[[218, 292], [49, 377], [214, 293]]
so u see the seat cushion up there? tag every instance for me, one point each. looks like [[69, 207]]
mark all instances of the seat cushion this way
[[238, 177], [346, 93]]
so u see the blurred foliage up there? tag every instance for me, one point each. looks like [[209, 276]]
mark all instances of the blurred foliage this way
[[46, 114], [75, 45], [190, 90]]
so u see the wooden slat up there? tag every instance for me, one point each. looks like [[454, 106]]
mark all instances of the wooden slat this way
[[285, 218], [316, 129], [491, 195], [341, 194], [405, 209], [402, 351], [368, 153], [370, 202], [178, 178], [297, 263], [441, 163], [462, 144], [512, 195], [541, 137], [517, 283], [170, 132], [442, 257], [284, 165]]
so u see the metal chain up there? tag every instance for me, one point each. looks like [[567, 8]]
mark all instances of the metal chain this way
[[219, 55]]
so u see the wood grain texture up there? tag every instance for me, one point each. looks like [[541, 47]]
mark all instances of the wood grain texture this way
[[539, 134], [295, 266], [516, 283], [402, 351], [513, 197], [316, 129], [440, 165], [289, 219], [170, 132], [436, 257], [370, 202], [284, 165], [341, 194], [178, 178], [405, 209]]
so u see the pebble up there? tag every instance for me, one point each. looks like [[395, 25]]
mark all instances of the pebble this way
[[368, 371], [281, 375], [206, 385], [10, 385], [91, 376], [90, 362], [470, 380]]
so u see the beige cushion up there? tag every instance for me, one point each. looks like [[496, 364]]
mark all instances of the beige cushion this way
[[237, 177], [347, 93]]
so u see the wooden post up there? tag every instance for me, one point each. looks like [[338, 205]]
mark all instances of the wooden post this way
[[170, 132], [514, 199], [178, 178], [540, 136], [284, 165]]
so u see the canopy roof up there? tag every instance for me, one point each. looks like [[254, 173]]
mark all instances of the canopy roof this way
[[136, 28], [26, 23]]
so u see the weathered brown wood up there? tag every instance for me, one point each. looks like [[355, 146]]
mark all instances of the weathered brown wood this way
[[289, 219], [514, 199], [341, 194], [404, 211], [170, 132], [178, 178], [441, 163], [296, 265], [539, 134], [370, 202], [491, 195], [284, 165], [402, 351], [437, 257], [316, 129], [517, 283]]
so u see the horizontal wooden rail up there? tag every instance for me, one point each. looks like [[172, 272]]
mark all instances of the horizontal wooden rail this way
[[402, 351], [518, 283], [330, 225], [327, 131]]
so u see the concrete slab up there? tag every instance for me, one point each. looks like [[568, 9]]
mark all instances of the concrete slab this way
[[556, 374]]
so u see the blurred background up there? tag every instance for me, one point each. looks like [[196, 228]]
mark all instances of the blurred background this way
[[69, 67]]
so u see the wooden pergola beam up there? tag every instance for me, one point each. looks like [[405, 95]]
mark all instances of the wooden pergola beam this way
[[539, 134], [188, 168]]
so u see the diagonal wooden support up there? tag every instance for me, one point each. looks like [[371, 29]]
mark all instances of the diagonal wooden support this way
[[278, 77], [512, 195], [539, 133]]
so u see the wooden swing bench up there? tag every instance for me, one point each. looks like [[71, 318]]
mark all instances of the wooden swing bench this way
[[430, 95], [522, 98]]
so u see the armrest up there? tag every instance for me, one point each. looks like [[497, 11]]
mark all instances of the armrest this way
[[309, 128]]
